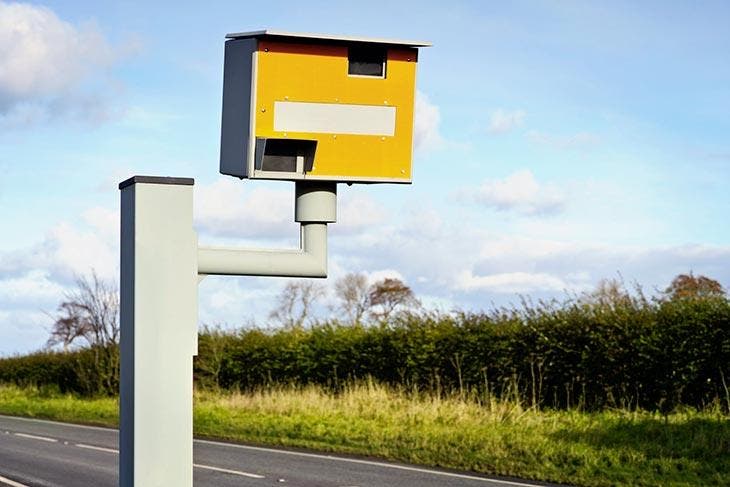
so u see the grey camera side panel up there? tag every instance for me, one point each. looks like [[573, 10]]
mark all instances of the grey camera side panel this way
[[236, 118]]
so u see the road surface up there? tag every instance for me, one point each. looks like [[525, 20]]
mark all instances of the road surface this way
[[36, 453]]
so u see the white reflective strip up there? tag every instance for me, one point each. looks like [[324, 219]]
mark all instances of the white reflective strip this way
[[334, 118]]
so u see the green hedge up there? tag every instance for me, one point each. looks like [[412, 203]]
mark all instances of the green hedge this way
[[636, 355], [89, 371], [633, 354]]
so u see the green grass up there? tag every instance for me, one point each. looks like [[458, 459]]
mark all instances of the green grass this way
[[595, 449]]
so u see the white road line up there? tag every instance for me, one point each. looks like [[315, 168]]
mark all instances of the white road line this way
[[370, 462], [34, 437], [196, 465], [304, 454], [48, 421], [11, 483], [97, 448], [225, 470]]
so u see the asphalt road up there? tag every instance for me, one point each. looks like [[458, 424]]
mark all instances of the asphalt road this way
[[35, 453]]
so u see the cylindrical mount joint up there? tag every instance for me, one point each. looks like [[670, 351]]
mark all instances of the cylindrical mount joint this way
[[315, 202]]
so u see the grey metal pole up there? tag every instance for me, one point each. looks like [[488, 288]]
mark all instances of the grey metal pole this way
[[159, 299]]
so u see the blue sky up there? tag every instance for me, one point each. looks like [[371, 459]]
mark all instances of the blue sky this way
[[558, 143]]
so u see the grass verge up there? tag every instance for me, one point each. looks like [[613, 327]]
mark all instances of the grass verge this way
[[592, 449]]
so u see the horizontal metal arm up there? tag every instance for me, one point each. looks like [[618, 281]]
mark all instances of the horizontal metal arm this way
[[315, 205], [309, 261]]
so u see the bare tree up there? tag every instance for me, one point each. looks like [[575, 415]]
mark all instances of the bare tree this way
[[388, 296], [353, 295], [67, 327], [609, 293], [295, 302], [91, 313]]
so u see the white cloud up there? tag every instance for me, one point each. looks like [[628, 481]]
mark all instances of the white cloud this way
[[503, 121], [105, 221], [467, 261], [529, 248], [74, 252], [581, 140], [150, 119], [379, 275], [449, 259], [237, 300], [22, 331], [31, 289], [510, 282], [427, 135], [519, 192], [448, 262], [68, 250], [230, 208], [47, 66], [33, 280], [581, 265], [356, 211]]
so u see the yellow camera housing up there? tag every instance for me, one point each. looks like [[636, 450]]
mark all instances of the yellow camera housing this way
[[301, 106]]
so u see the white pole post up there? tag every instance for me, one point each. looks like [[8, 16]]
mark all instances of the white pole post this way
[[159, 313], [160, 266]]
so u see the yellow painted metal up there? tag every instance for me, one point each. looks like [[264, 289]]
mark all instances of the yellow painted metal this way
[[319, 74]]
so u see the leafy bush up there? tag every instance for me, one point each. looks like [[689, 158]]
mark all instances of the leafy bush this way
[[75, 371], [634, 354], [625, 352]]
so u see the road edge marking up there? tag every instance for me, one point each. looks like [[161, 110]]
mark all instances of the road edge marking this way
[[304, 454], [196, 465], [39, 420], [96, 448], [12, 483], [227, 470], [373, 463], [36, 437]]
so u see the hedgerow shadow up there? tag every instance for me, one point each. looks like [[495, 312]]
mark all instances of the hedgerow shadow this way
[[685, 449]]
